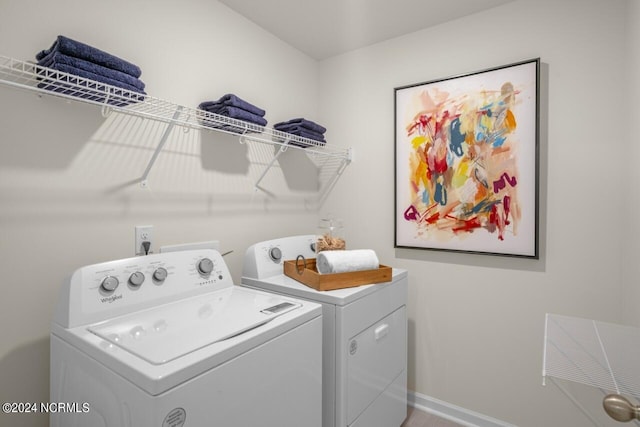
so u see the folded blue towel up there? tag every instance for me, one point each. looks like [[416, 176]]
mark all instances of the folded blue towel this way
[[238, 113], [96, 77], [299, 121], [83, 51], [307, 134], [230, 100], [303, 132], [296, 129], [57, 58]]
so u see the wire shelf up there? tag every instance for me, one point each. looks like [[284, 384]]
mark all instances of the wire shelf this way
[[32, 77], [598, 354]]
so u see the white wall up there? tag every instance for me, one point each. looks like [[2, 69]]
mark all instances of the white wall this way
[[477, 322], [631, 266], [63, 202]]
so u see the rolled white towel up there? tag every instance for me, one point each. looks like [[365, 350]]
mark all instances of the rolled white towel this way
[[345, 261]]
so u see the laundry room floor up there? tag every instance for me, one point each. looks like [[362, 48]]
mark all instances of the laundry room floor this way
[[417, 418]]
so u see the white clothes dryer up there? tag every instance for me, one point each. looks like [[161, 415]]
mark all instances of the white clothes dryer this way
[[364, 336], [167, 340]]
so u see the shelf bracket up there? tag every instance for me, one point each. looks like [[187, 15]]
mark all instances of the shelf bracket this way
[[106, 109], [163, 141], [332, 182], [282, 149]]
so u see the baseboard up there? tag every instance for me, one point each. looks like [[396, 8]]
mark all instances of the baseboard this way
[[451, 412]]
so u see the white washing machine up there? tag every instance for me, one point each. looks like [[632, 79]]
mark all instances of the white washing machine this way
[[364, 336], [167, 340]]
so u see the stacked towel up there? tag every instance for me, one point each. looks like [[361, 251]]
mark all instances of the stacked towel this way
[[303, 128], [234, 107], [344, 261], [73, 57]]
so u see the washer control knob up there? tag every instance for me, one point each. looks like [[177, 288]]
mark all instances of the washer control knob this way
[[205, 266], [275, 254], [136, 279], [160, 274], [110, 283]]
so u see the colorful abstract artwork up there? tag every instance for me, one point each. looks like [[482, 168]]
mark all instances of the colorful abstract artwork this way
[[467, 162]]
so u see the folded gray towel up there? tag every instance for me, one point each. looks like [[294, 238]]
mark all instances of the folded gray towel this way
[[89, 53]]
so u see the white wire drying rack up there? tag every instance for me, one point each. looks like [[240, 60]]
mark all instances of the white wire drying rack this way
[[330, 161], [597, 354]]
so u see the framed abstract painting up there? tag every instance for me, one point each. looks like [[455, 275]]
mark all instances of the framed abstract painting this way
[[466, 162]]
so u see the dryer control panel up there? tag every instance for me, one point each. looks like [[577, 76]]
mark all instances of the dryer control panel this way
[[265, 259], [109, 289]]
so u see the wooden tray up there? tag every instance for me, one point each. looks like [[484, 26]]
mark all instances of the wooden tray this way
[[308, 275]]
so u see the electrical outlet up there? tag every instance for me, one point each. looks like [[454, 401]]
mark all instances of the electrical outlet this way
[[143, 233]]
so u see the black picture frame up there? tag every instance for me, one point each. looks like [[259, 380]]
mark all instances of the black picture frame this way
[[467, 162]]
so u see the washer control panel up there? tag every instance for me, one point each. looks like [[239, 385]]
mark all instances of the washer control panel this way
[[136, 278], [132, 284]]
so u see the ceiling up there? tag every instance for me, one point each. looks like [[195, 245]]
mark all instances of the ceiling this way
[[325, 28]]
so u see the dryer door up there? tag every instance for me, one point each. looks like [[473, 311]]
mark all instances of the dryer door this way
[[376, 357]]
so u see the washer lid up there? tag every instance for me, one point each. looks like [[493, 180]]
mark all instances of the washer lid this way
[[170, 331]]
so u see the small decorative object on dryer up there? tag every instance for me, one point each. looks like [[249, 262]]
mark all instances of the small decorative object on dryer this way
[[338, 269], [347, 261], [330, 235]]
